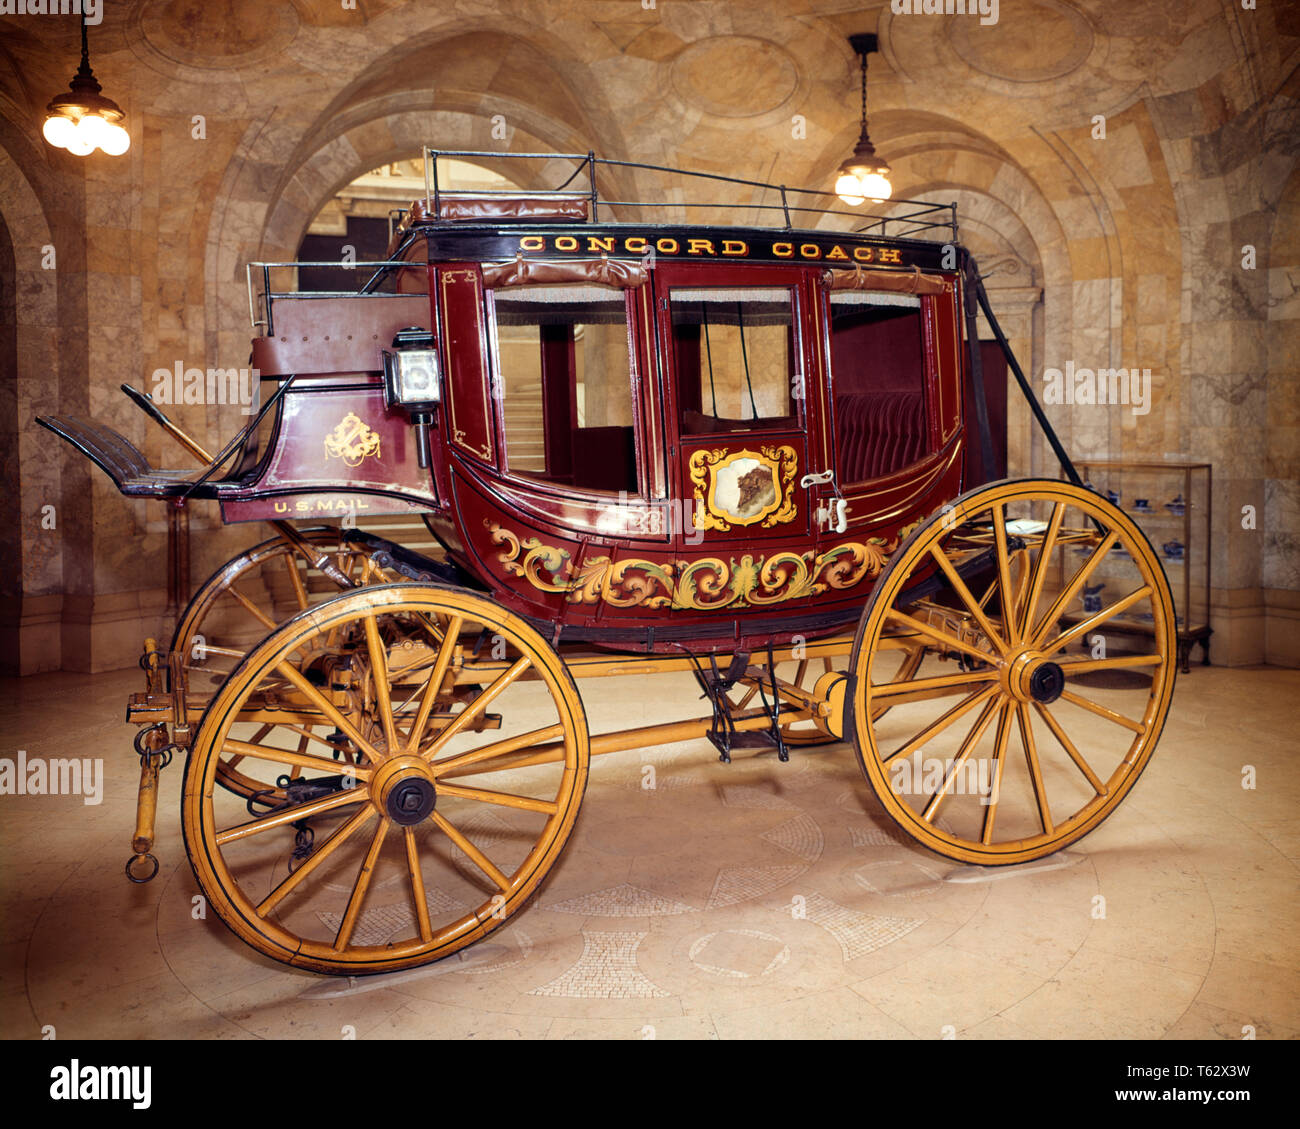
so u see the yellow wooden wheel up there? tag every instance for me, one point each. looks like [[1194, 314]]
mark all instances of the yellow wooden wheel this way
[[248, 596], [1049, 661], [473, 754]]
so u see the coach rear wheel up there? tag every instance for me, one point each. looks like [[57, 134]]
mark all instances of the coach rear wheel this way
[[1040, 699], [472, 760]]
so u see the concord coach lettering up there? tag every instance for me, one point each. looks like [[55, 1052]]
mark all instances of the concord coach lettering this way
[[672, 247]]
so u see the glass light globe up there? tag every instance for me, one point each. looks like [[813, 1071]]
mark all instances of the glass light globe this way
[[116, 140], [58, 130], [849, 189], [876, 186], [79, 142], [93, 129]]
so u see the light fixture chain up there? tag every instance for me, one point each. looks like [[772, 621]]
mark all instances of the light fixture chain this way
[[863, 58]]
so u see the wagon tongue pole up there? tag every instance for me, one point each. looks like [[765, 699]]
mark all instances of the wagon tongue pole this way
[[155, 754]]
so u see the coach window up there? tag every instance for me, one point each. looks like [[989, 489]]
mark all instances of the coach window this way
[[735, 352], [878, 376], [564, 376]]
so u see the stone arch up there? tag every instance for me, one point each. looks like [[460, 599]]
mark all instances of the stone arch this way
[[265, 202]]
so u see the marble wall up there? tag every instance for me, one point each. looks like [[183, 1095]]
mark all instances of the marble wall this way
[[1125, 247]]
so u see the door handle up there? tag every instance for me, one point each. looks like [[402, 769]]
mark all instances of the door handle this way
[[832, 514]]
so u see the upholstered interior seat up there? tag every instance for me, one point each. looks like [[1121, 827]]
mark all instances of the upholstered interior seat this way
[[877, 433]]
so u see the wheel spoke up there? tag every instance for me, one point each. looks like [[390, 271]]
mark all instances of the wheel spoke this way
[[459, 764], [332, 844], [417, 885], [379, 672], [290, 815], [959, 586], [450, 641], [938, 635], [463, 719], [999, 760], [1123, 662], [299, 588], [262, 731], [327, 707], [1009, 625], [911, 663], [504, 799], [941, 723], [477, 857], [295, 773], [287, 756], [1040, 567], [252, 608], [310, 736], [1035, 770], [1094, 621], [937, 682], [360, 886], [1068, 746], [1102, 711], [1072, 589], [976, 732]]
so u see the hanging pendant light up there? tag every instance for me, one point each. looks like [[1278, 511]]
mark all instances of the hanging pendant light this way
[[83, 120], [864, 176]]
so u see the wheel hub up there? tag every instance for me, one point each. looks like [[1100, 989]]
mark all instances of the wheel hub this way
[[1046, 682], [1028, 676], [403, 789]]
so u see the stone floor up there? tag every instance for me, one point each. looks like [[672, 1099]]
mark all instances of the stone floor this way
[[746, 901]]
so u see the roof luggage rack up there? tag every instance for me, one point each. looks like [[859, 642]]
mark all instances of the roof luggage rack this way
[[562, 203]]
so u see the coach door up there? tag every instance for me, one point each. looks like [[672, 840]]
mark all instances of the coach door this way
[[739, 361]]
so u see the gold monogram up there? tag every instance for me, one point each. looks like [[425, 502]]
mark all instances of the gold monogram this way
[[352, 441]]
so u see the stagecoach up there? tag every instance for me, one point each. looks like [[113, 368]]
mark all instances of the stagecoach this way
[[757, 454]]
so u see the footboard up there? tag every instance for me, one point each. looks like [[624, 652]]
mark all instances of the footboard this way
[[118, 458]]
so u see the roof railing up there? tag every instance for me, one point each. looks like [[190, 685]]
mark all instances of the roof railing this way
[[925, 219], [266, 296], [927, 216]]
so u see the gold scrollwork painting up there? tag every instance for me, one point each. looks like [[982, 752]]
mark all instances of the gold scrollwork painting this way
[[704, 584], [352, 441], [744, 487]]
